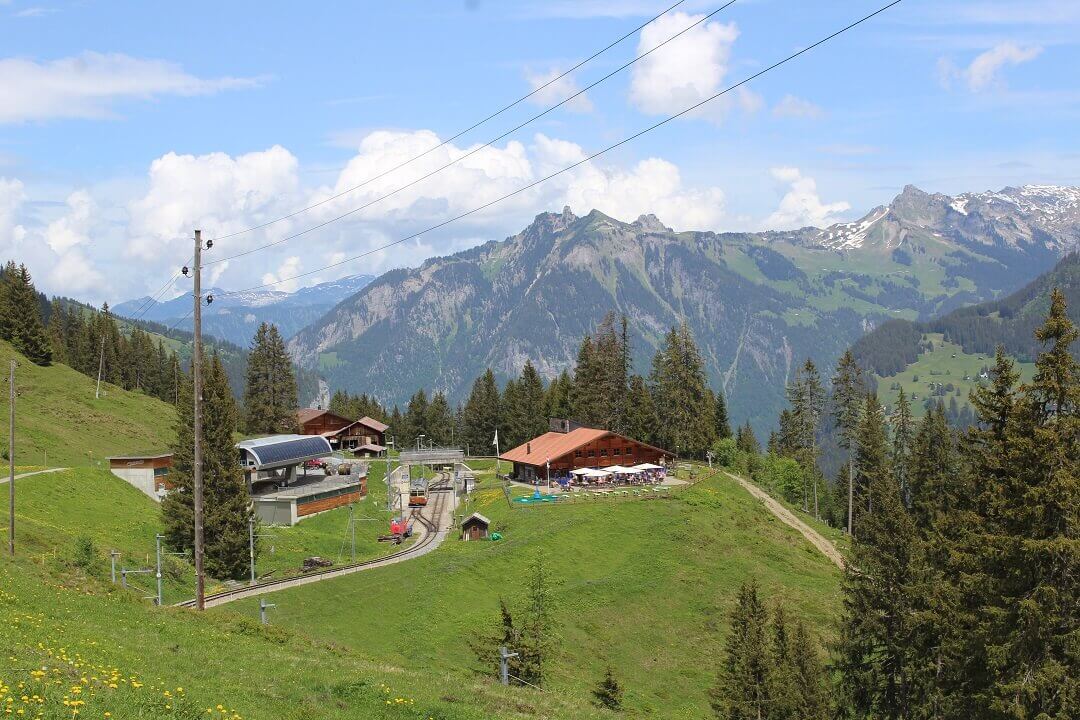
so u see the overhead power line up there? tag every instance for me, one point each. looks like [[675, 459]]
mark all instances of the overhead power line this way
[[450, 139], [597, 154], [474, 150]]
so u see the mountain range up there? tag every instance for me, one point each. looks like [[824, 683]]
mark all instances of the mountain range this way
[[235, 317], [758, 303]]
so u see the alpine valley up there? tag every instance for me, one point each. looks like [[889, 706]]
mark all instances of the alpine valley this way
[[757, 303]]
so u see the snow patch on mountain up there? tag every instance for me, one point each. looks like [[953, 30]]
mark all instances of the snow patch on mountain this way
[[845, 236]]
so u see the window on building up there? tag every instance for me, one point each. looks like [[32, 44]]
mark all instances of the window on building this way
[[616, 451], [577, 453], [603, 453], [592, 453], [629, 451]]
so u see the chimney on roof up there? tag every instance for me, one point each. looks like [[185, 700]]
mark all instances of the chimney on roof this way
[[528, 448]]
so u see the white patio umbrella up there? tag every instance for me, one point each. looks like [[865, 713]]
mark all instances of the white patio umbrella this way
[[648, 466]]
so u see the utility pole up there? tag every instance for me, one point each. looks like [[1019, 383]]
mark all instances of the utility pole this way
[[251, 545], [157, 574], [100, 367], [196, 370], [11, 464]]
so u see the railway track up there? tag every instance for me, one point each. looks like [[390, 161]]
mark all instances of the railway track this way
[[430, 539]]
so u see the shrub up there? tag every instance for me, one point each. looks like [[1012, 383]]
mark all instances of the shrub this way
[[725, 453], [608, 692], [85, 555]]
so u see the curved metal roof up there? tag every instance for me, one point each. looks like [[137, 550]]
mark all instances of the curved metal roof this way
[[283, 450]]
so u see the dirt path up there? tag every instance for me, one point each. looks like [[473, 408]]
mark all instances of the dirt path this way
[[20, 476], [788, 518]]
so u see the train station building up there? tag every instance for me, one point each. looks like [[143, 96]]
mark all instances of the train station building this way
[[571, 446]]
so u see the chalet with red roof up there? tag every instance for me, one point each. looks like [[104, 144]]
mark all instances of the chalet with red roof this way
[[365, 437]]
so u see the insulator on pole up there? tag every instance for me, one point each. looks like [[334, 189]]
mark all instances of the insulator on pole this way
[[209, 299], [185, 271]]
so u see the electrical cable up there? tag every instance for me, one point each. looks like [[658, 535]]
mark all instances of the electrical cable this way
[[597, 154]]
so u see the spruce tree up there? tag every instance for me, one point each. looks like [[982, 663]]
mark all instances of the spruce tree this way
[[608, 693], [480, 416], [414, 422], [586, 398], [533, 418], [641, 413], [741, 690], [746, 441], [903, 437], [720, 418], [270, 396], [512, 415], [847, 399], [811, 678], [226, 501], [440, 420], [557, 398], [1030, 551], [876, 632], [684, 405], [27, 333]]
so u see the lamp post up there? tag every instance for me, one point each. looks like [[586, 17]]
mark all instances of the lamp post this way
[[419, 437]]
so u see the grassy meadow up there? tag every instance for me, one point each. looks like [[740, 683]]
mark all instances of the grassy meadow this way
[[644, 586], [946, 364]]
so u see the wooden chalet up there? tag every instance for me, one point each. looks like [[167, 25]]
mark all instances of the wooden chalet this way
[[365, 437], [569, 446]]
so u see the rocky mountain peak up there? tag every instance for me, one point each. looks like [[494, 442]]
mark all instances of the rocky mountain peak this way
[[651, 223]]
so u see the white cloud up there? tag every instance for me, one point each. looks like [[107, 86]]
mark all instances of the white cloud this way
[[217, 193], [985, 70], [288, 269], [557, 91], [12, 196], [791, 106], [801, 205], [87, 86], [688, 69], [142, 234]]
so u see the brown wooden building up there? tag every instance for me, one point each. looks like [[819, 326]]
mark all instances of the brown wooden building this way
[[364, 437], [572, 447]]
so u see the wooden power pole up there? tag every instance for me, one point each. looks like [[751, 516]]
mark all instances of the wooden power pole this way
[[197, 469], [11, 464]]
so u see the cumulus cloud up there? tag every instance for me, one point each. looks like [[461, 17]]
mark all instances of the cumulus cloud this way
[[222, 194], [792, 106], [12, 196], [557, 91], [687, 70], [87, 85], [217, 193], [984, 72], [801, 205]]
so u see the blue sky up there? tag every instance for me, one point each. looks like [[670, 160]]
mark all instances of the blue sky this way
[[125, 125]]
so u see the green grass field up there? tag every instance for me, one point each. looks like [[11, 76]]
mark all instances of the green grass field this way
[[946, 364], [60, 421], [645, 587]]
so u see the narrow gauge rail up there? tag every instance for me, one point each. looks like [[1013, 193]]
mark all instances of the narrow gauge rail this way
[[422, 546]]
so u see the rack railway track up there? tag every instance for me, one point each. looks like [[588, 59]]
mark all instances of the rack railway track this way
[[431, 538]]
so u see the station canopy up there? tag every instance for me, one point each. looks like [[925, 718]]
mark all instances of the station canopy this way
[[278, 451], [432, 456]]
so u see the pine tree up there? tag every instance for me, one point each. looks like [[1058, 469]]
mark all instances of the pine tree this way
[[876, 633], [807, 398], [741, 690], [480, 417], [226, 501], [783, 682], [512, 415], [811, 678], [720, 418], [847, 398], [270, 397]]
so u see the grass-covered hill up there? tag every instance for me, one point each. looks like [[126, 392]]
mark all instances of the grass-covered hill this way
[[58, 416], [644, 586], [943, 358]]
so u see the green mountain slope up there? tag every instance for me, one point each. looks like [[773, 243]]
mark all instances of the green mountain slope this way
[[757, 303], [58, 420], [943, 358]]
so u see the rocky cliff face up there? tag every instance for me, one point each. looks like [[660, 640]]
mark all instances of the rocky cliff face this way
[[757, 303]]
